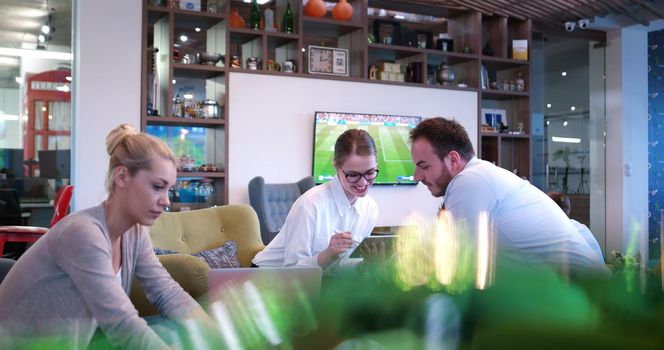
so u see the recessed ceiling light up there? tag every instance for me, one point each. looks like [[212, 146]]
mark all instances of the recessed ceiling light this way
[[563, 74], [197, 29], [572, 108], [565, 139], [565, 123], [548, 105], [183, 38]]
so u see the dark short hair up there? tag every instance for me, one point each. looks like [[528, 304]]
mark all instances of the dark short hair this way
[[444, 135], [562, 200], [353, 141]]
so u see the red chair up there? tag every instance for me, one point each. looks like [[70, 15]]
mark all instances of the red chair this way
[[31, 234]]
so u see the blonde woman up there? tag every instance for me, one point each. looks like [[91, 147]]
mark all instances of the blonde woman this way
[[77, 277]]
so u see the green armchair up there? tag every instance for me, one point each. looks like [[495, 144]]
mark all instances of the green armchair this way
[[190, 232]]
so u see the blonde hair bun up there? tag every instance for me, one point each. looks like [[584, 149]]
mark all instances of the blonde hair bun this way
[[117, 136]]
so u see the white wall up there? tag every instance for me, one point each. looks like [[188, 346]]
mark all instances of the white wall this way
[[106, 87], [627, 138], [271, 130]]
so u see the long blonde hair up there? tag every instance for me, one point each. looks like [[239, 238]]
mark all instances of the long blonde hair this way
[[134, 150]]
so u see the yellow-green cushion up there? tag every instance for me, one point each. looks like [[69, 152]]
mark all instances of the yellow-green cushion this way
[[197, 230], [194, 231]]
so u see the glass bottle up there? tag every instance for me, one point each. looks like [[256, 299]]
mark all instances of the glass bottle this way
[[177, 106], [520, 83], [255, 17], [288, 19]]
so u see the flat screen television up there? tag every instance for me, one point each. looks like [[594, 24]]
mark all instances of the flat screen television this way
[[390, 133]]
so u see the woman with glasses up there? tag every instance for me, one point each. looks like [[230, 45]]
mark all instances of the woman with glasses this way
[[328, 220]]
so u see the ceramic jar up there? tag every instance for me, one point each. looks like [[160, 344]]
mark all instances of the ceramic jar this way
[[445, 74], [315, 8], [342, 11], [236, 20]]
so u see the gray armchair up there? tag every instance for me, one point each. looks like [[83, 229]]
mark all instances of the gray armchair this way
[[272, 202]]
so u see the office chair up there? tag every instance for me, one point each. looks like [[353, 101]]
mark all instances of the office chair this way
[[31, 234]]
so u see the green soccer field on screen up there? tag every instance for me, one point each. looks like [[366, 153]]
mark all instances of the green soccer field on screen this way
[[390, 133]]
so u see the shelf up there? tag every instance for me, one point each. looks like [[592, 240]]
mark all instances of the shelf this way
[[515, 136], [502, 63], [453, 57], [176, 121], [328, 27], [208, 174], [279, 39], [155, 13], [392, 52], [424, 26], [395, 52], [244, 35], [197, 71], [290, 36], [505, 135], [200, 14], [503, 95], [468, 28]]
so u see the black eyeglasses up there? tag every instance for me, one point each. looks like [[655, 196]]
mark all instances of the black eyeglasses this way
[[354, 176]]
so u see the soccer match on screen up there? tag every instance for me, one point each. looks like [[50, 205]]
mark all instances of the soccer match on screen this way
[[390, 133]]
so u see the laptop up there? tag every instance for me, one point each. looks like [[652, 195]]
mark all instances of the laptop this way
[[282, 282], [264, 306]]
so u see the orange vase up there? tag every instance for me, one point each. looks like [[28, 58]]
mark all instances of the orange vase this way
[[236, 20], [342, 11], [315, 8]]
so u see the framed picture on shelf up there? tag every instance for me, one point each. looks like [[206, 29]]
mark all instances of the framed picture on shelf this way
[[494, 117], [327, 60], [387, 32]]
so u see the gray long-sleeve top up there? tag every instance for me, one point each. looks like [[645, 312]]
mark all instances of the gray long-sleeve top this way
[[65, 286]]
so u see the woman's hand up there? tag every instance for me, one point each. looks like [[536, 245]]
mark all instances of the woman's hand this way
[[339, 244], [374, 253]]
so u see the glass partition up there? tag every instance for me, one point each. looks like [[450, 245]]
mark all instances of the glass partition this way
[[568, 104], [35, 106]]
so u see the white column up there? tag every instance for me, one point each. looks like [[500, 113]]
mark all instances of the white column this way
[[106, 89], [627, 138]]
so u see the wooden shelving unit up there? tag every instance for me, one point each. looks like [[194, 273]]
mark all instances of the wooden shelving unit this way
[[469, 30]]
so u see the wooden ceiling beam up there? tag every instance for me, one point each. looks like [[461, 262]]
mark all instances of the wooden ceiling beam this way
[[619, 7], [472, 6], [563, 12], [648, 7], [531, 12], [498, 10], [603, 6], [598, 11], [553, 13], [500, 4]]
